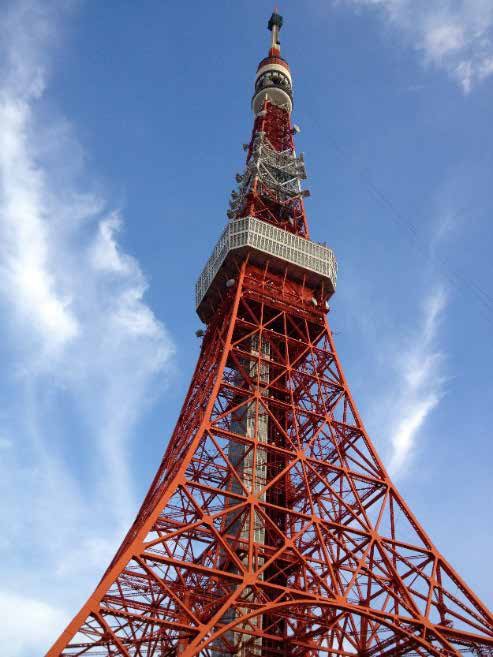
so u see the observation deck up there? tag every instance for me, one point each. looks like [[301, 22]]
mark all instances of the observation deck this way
[[306, 261]]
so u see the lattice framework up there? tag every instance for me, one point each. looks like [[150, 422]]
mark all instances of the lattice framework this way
[[271, 528]]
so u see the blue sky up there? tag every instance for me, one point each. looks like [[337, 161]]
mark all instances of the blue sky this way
[[121, 126]]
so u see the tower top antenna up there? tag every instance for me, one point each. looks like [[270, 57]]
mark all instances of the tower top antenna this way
[[274, 25]]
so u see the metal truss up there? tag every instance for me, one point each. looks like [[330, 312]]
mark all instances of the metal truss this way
[[272, 527], [270, 187], [307, 261], [277, 174]]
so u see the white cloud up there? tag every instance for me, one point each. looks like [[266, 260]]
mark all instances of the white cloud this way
[[84, 346], [25, 277], [453, 35], [21, 612], [420, 373], [90, 556]]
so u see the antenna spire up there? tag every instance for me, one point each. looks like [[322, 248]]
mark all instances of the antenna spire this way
[[274, 25]]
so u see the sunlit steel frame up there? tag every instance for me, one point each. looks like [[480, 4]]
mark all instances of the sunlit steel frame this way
[[344, 568]]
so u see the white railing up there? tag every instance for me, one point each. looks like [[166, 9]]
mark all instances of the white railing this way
[[272, 241]]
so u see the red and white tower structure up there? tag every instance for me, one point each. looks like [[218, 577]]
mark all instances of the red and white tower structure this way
[[272, 527]]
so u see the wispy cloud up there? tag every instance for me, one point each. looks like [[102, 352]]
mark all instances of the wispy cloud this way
[[453, 35], [44, 618], [84, 347], [420, 380]]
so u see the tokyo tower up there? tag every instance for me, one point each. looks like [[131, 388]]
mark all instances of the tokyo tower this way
[[272, 528]]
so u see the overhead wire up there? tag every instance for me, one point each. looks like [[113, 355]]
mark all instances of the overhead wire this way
[[456, 276]]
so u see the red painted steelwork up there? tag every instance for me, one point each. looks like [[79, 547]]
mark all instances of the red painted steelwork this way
[[261, 203], [343, 566], [271, 528]]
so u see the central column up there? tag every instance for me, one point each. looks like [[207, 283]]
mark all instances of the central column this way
[[250, 462]]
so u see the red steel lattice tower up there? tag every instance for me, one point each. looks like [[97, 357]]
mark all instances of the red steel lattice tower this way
[[272, 528]]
